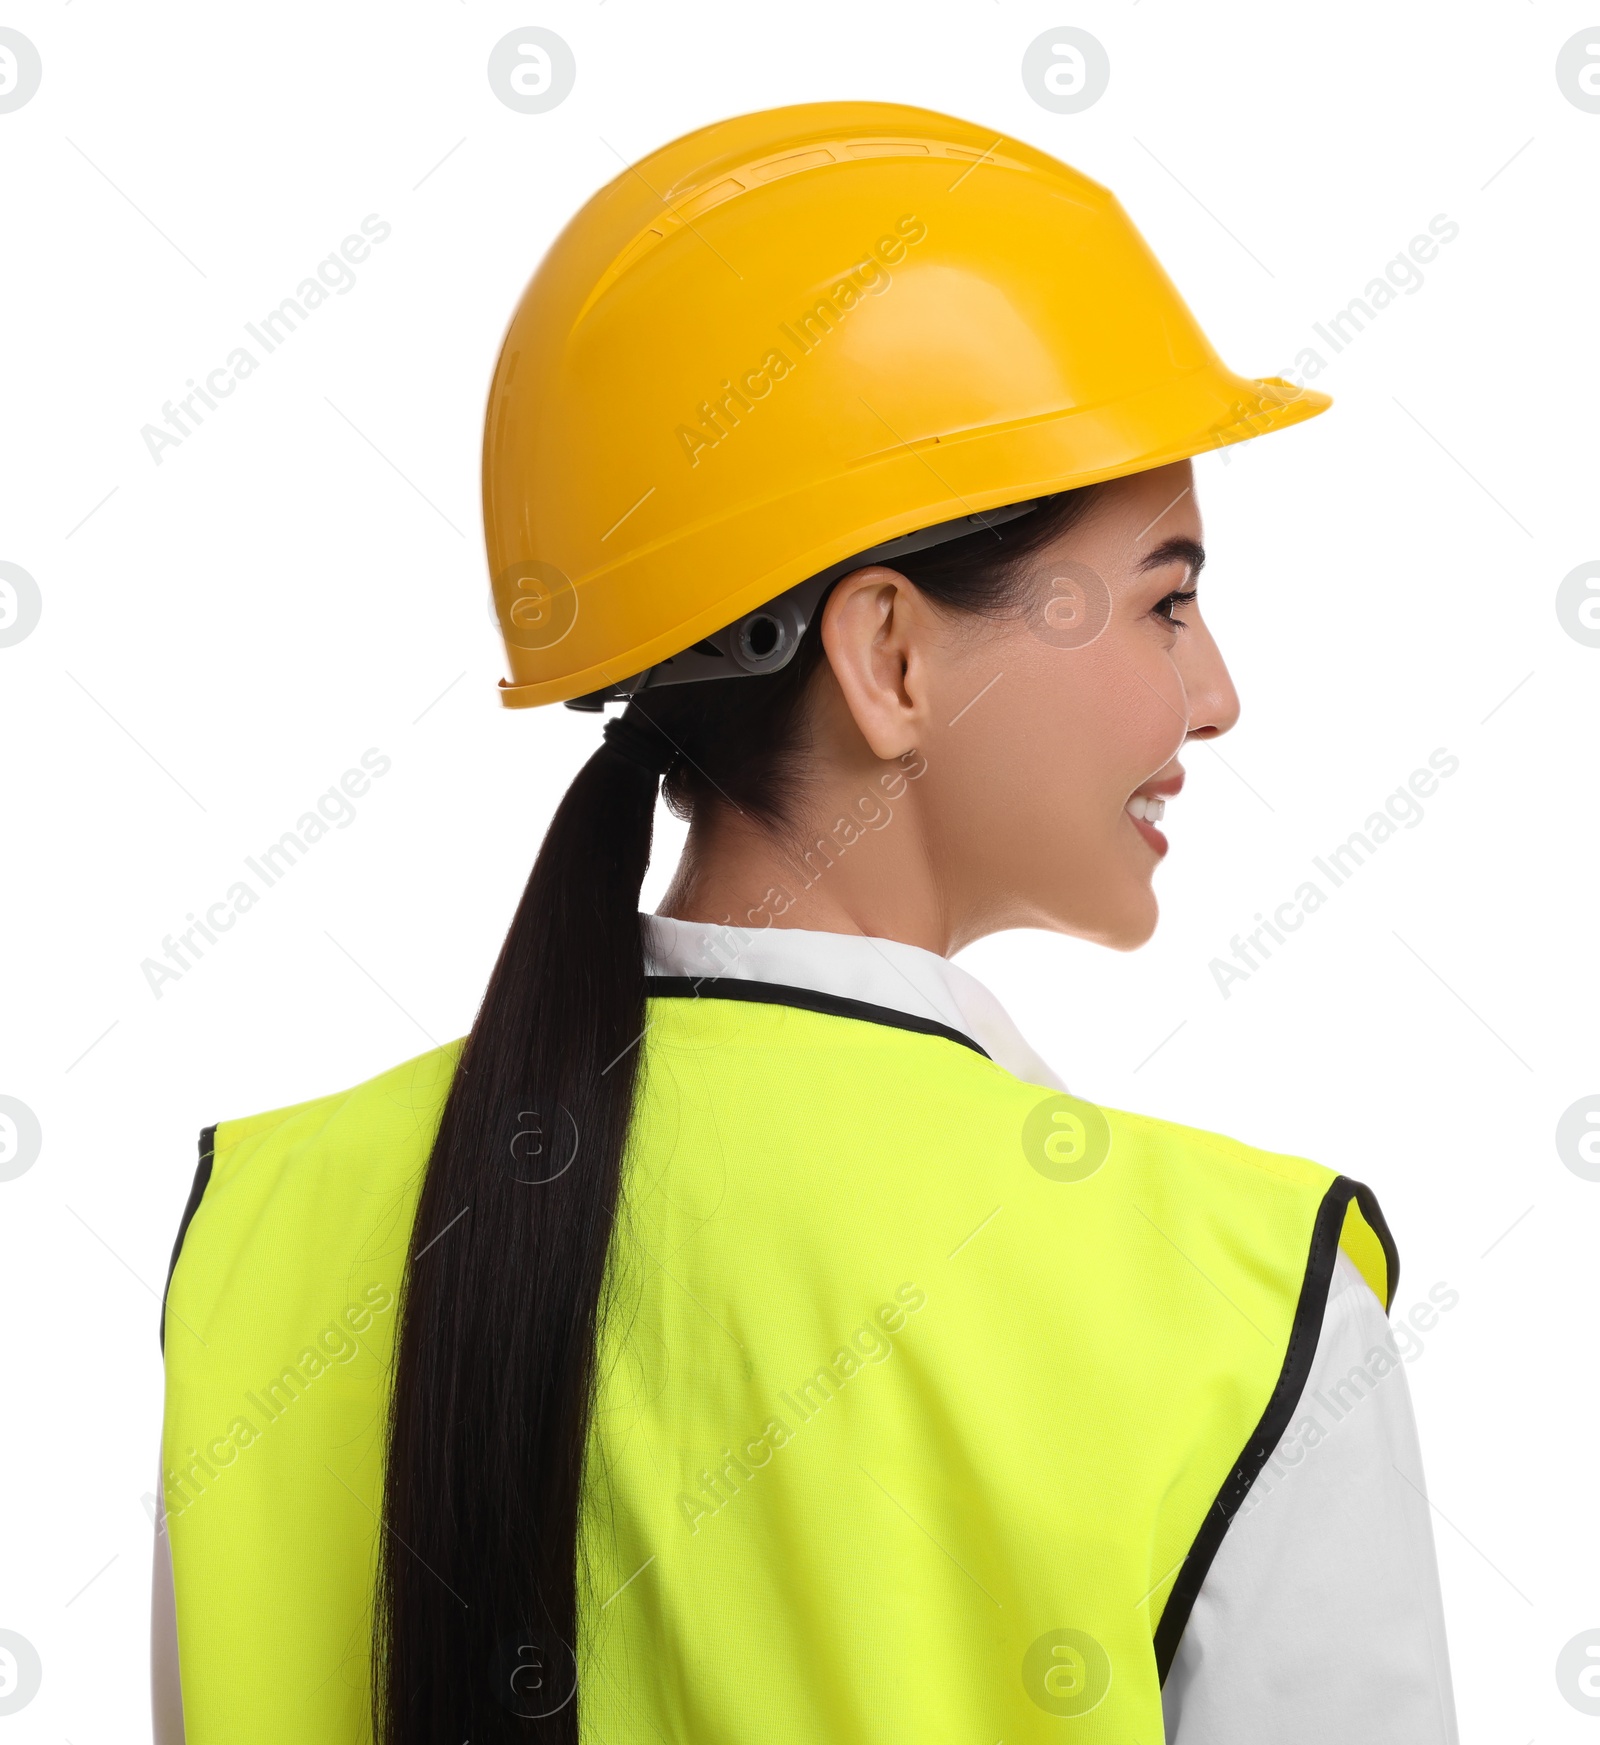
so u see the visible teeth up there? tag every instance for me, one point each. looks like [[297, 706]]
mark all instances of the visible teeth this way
[[1151, 809]]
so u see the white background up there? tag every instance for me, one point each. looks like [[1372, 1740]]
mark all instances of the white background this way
[[224, 634]]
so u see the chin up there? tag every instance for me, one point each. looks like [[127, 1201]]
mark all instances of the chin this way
[[1123, 925], [1131, 927]]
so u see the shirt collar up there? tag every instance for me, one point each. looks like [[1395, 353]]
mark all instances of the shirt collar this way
[[881, 972]]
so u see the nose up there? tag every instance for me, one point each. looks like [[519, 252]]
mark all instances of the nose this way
[[1213, 702]]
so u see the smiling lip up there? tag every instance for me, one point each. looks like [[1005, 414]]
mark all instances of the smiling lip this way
[[1163, 789], [1151, 798], [1149, 832]]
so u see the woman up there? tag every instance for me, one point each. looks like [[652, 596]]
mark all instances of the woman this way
[[743, 1334]]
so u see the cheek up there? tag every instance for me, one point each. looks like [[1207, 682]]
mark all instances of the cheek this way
[[1115, 712], [1142, 716], [1041, 764], [1032, 782], [1051, 752]]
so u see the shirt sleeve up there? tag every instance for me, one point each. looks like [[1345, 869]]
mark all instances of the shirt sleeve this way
[[1320, 1619], [166, 1696]]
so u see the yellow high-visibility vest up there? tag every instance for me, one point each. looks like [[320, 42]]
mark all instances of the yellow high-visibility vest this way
[[925, 1397]]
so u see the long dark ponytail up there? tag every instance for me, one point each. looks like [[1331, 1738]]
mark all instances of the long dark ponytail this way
[[477, 1597]]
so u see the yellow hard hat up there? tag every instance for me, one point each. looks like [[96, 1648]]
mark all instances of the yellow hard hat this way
[[801, 335]]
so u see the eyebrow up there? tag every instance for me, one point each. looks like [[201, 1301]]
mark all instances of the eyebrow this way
[[1178, 550]]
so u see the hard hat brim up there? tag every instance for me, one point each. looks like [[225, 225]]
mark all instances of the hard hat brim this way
[[949, 476]]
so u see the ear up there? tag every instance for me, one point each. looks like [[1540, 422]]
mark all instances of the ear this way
[[874, 629]]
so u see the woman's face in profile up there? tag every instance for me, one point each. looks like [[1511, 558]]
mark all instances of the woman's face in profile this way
[[1050, 736]]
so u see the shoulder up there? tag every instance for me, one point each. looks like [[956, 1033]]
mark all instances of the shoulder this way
[[1279, 1194], [1179, 1159], [1221, 1191], [307, 1179], [1216, 1152], [400, 1105]]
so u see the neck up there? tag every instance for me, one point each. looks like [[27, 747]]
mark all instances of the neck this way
[[868, 872]]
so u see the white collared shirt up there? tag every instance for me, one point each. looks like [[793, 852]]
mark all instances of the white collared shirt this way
[[1320, 1619]]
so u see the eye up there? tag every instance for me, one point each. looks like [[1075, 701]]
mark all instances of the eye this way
[[1165, 607]]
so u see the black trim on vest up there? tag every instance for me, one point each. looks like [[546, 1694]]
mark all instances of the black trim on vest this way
[[202, 1175], [808, 999], [1303, 1335], [1373, 1213]]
